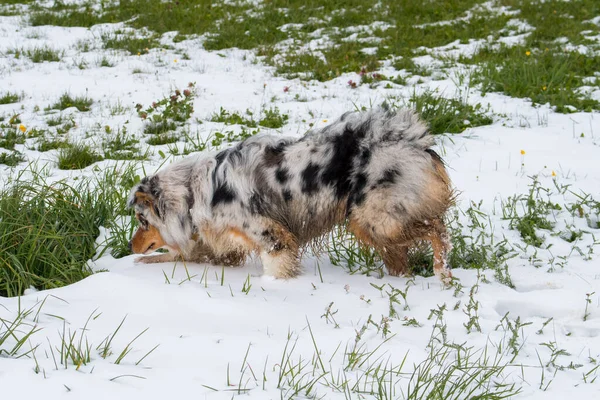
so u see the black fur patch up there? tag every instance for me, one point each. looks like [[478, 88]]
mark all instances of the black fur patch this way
[[156, 191], [235, 155], [365, 157], [274, 155], [257, 204], [221, 157], [281, 175], [189, 197], [223, 194], [310, 177], [358, 191], [337, 173], [435, 156], [287, 195], [389, 177], [143, 221]]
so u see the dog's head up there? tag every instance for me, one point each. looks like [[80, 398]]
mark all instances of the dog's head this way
[[145, 200]]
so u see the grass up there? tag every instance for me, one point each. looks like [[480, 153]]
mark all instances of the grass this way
[[234, 118], [11, 159], [10, 136], [55, 121], [10, 97], [168, 113], [270, 118], [15, 333], [130, 43], [448, 115], [77, 156], [82, 103], [121, 145], [48, 230], [544, 75], [165, 138], [553, 19], [338, 59], [407, 30], [47, 144], [454, 371], [529, 213], [45, 53]]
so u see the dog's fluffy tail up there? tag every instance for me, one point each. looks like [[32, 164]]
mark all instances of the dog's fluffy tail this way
[[380, 125]]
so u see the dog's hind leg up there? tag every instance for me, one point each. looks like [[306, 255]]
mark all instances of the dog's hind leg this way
[[441, 245], [393, 252], [395, 258]]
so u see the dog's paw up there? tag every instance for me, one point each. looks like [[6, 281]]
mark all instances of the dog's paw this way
[[446, 278], [140, 260]]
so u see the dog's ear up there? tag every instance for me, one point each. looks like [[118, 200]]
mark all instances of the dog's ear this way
[[147, 194]]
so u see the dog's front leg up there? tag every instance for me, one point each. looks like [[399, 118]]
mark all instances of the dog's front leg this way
[[279, 252], [159, 258], [281, 264]]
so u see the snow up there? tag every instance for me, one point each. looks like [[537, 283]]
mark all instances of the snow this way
[[216, 341]]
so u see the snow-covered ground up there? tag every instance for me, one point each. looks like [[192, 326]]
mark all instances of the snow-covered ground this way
[[241, 334]]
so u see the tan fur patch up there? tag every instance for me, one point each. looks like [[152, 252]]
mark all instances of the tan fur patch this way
[[146, 240], [241, 237]]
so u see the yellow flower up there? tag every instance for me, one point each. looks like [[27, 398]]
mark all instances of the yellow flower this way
[[139, 54], [527, 53], [22, 128], [324, 120], [175, 60], [522, 152], [544, 87], [553, 173]]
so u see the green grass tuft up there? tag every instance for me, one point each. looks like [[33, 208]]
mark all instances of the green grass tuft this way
[[165, 138], [272, 118], [234, 118], [9, 97], [11, 159], [48, 230], [47, 144], [448, 115], [10, 136], [77, 156], [130, 43], [82, 103], [41, 54]]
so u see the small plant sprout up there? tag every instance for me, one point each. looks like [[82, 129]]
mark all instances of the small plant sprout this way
[[329, 315], [247, 285], [471, 311], [512, 327], [394, 296], [541, 330], [588, 301]]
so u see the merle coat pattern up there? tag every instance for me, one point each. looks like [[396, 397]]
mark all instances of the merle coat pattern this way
[[373, 171]]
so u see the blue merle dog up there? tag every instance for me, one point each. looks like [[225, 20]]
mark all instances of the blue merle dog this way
[[374, 171]]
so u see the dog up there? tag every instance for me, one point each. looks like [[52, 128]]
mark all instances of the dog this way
[[374, 171]]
